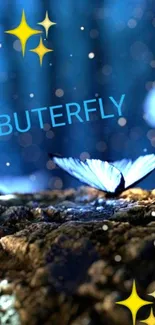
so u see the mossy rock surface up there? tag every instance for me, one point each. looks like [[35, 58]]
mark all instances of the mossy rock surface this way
[[67, 257]]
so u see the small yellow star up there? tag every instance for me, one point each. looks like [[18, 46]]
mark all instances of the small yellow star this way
[[23, 32], [41, 50], [150, 320], [134, 303], [47, 23]]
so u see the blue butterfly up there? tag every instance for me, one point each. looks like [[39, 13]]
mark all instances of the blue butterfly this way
[[110, 177]]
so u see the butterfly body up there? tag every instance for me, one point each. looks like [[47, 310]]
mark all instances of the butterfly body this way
[[110, 177], [119, 189]]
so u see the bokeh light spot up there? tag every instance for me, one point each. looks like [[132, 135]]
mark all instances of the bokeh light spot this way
[[84, 156], [105, 227], [25, 140], [101, 146], [59, 92], [94, 33], [151, 134], [139, 51], [17, 46], [132, 23], [122, 121], [91, 55], [50, 134], [55, 183], [136, 133], [47, 127], [107, 70], [58, 184], [50, 165], [118, 258], [152, 63], [149, 108], [138, 12]]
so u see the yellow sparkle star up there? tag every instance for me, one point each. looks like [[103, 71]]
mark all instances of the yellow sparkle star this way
[[46, 23], [150, 320], [23, 32], [134, 303], [41, 50]]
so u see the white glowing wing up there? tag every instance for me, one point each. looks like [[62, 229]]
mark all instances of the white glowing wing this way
[[93, 172], [123, 166], [135, 171]]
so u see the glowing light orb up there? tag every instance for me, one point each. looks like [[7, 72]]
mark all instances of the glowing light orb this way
[[122, 121], [149, 108], [91, 55], [118, 258], [105, 227], [145, 149]]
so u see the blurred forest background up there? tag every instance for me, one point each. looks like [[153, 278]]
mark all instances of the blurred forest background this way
[[101, 49]]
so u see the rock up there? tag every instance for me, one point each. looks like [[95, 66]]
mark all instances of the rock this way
[[67, 257]]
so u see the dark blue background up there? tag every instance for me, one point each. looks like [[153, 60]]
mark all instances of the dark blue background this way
[[122, 37]]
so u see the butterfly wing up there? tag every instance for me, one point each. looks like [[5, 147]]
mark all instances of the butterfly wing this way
[[137, 170], [123, 166], [93, 172]]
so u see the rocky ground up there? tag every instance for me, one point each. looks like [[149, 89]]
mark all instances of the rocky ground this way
[[66, 257]]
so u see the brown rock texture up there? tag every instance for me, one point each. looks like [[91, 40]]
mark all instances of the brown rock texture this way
[[67, 257]]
